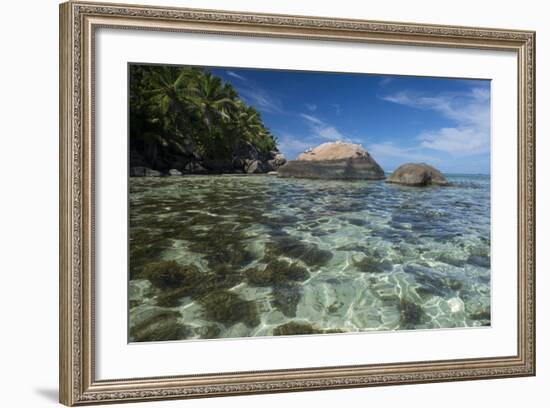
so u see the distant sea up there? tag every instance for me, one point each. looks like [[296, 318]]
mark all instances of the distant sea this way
[[293, 256]]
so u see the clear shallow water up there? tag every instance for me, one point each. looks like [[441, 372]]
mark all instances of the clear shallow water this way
[[236, 256]]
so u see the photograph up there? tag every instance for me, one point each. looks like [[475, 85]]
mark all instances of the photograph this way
[[260, 202], [267, 202]]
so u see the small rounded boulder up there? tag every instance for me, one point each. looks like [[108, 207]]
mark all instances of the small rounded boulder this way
[[417, 174]]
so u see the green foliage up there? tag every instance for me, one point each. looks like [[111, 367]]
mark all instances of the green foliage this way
[[180, 112]]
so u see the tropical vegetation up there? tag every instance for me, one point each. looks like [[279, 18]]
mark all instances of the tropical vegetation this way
[[181, 112]]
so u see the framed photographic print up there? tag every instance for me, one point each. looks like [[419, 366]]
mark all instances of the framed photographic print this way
[[256, 203]]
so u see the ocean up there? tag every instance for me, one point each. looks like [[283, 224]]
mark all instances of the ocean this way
[[242, 256]]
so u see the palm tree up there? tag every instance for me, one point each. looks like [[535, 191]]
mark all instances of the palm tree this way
[[159, 91], [179, 111], [215, 105]]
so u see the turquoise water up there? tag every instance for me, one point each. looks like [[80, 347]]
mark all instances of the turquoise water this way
[[238, 256]]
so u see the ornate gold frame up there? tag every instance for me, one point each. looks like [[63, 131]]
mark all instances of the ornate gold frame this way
[[78, 21]]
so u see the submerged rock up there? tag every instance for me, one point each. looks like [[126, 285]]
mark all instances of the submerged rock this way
[[156, 324], [228, 308], [170, 274], [371, 265], [338, 160], [308, 253], [286, 298], [277, 272], [417, 174], [411, 314], [294, 327]]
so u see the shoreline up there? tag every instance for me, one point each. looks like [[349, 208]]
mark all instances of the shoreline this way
[[271, 174]]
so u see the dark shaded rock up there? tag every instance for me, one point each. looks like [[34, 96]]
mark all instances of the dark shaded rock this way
[[237, 163], [255, 167], [144, 172], [137, 159], [417, 174], [269, 166], [218, 166], [247, 151], [195, 168], [344, 161]]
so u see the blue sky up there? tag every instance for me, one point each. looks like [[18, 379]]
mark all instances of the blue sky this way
[[398, 119]]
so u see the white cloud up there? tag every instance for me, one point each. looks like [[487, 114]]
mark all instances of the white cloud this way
[[312, 119], [235, 75], [466, 140], [469, 110], [260, 99], [311, 107], [292, 146], [389, 150], [385, 81], [330, 132], [322, 129]]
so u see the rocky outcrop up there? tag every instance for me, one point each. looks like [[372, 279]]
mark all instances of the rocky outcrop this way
[[337, 161], [195, 168], [417, 174], [255, 167], [245, 159]]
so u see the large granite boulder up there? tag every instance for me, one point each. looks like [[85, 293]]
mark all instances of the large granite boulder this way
[[337, 161], [417, 174]]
